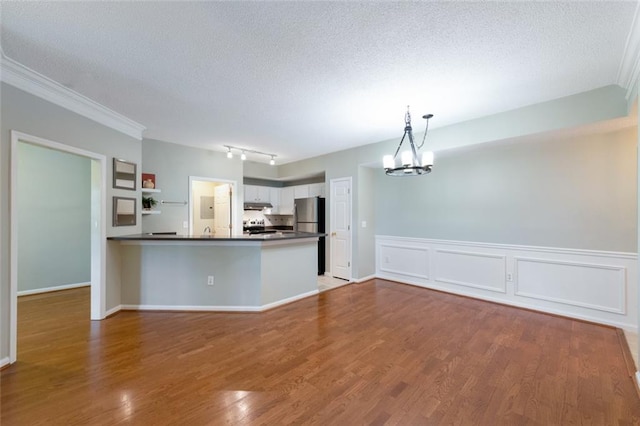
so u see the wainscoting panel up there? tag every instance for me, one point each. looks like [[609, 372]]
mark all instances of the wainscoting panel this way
[[471, 269], [596, 286], [407, 260], [592, 286]]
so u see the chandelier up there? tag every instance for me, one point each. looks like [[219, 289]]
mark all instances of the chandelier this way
[[410, 163]]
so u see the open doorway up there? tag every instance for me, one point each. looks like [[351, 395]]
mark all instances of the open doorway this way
[[211, 206], [96, 174]]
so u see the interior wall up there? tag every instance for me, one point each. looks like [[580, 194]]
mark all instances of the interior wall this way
[[578, 193], [29, 114], [366, 223], [54, 206], [173, 164]]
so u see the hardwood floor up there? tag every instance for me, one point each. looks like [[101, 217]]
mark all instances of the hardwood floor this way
[[371, 353]]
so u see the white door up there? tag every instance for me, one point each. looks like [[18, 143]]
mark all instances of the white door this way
[[222, 210], [340, 215]]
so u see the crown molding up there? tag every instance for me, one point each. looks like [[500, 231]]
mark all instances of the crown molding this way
[[629, 70], [24, 78]]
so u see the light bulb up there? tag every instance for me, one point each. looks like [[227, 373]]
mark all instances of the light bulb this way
[[229, 153], [407, 158], [427, 158], [387, 162], [243, 156], [272, 161]]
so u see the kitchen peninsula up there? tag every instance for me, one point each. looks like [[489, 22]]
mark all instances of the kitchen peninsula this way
[[206, 273]]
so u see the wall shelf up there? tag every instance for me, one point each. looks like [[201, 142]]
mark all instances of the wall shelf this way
[[150, 191], [151, 212]]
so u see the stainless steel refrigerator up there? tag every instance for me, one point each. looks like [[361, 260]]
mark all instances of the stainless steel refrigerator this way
[[309, 217]]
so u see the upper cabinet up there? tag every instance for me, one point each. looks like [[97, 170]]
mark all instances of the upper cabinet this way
[[286, 200], [316, 190], [257, 194], [301, 191]]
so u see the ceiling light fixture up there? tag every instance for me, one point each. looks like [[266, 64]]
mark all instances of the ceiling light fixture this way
[[244, 151], [410, 164]]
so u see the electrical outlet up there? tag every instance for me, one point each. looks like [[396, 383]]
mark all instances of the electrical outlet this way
[[210, 280], [509, 277]]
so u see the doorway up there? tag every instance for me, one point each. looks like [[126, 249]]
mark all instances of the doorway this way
[[211, 206], [97, 232], [340, 216]]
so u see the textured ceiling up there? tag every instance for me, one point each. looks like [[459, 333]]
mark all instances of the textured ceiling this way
[[301, 79]]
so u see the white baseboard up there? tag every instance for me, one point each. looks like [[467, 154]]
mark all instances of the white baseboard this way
[[191, 308], [54, 288], [363, 279], [595, 286], [4, 361], [113, 310], [217, 308]]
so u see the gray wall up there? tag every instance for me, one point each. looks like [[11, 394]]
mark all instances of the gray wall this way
[[577, 192], [54, 207], [28, 114], [173, 164], [586, 111]]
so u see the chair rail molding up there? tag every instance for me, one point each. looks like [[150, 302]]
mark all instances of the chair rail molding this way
[[590, 285]]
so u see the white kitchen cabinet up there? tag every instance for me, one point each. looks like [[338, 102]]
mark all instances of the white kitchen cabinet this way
[[301, 191], [316, 190], [257, 194], [286, 200], [274, 197]]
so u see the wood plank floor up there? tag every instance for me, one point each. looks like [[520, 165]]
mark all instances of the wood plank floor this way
[[372, 353]]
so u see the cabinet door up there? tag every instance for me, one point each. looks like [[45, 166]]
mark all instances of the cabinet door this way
[[286, 200], [264, 194], [250, 193], [316, 190], [274, 199], [301, 191]]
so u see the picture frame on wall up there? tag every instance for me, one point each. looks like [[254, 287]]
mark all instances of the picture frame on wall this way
[[124, 211], [124, 174]]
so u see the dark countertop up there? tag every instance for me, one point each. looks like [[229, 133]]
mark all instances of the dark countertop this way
[[287, 235]]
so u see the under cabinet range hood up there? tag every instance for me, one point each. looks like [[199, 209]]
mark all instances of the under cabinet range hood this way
[[257, 206]]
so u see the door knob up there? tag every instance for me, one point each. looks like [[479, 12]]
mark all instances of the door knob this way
[[333, 234]]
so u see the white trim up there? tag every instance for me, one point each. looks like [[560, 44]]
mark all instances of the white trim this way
[[218, 308], [583, 252], [332, 224], [622, 283], [98, 229], [637, 379], [113, 310], [363, 279], [629, 69], [52, 289], [614, 273], [288, 300], [473, 295], [235, 224], [502, 289], [409, 274], [24, 78], [4, 361]]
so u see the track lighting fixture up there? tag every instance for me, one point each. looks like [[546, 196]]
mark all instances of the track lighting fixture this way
[[244, 151]]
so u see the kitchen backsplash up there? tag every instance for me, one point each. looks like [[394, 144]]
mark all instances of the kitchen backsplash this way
[[269, 219]]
